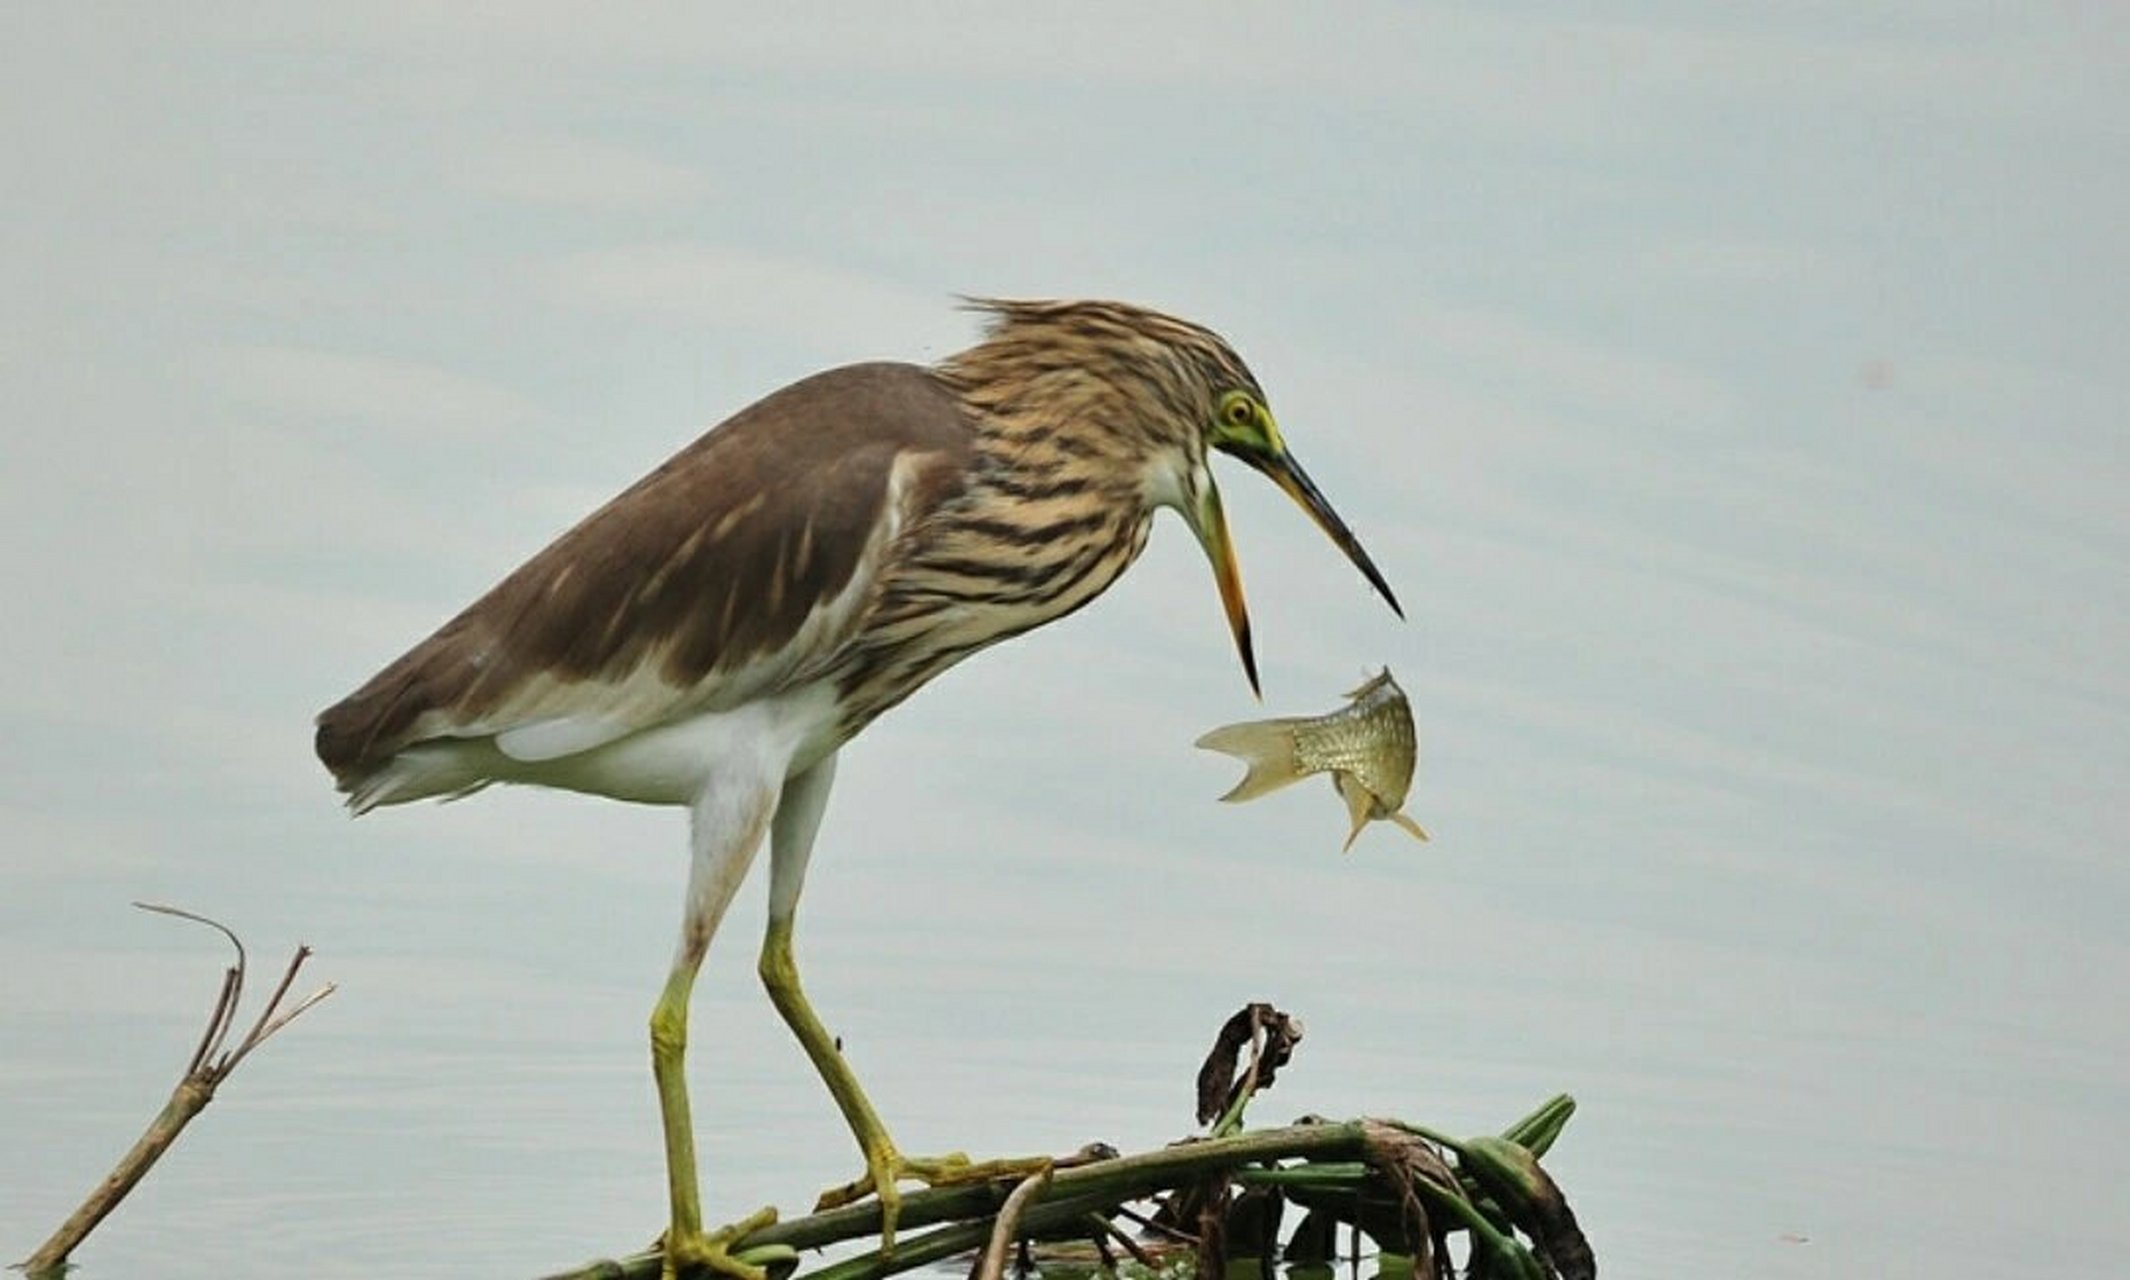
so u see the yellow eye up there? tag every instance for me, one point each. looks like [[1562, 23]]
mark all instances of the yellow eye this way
[[1239, 413]]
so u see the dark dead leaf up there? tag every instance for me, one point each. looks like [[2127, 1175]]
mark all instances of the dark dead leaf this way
[[1271, 1036], [1528, 1194]]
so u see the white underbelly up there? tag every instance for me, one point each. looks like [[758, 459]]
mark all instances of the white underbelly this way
[[770, 738]]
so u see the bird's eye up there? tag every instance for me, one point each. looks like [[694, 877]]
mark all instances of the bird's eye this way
[[1238, 413]]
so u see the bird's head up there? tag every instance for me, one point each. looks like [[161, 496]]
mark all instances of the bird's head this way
[[1241, 426], [1156, 396]]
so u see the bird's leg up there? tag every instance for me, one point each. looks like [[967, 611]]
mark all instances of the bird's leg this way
[[885, 1166], [727, 829], [798, 817]]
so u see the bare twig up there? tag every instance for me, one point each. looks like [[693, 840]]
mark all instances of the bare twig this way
[[1109, 1229], [224, 1000], [208, 1067], [1008, 1224], [1157, 1226]]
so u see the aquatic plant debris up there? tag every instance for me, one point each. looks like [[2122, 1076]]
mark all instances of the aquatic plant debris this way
[[1272, 1036], [1444, 1208]]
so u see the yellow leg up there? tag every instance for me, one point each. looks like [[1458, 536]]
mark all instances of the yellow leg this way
[[884, 1165], [689, 1249], [798, 819], [727, 827], [669, 1049]]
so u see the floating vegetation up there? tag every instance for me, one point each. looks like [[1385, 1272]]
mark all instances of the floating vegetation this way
[[1431, 1206]]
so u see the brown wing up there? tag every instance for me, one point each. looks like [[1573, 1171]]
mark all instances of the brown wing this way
[[745, 558]]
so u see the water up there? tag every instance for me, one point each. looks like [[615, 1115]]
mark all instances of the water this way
[[476, 1097]]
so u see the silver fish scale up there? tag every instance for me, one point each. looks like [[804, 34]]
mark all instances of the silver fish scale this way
[[1370, 739]]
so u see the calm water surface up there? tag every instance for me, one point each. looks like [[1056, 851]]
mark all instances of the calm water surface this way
[[476, 1099]]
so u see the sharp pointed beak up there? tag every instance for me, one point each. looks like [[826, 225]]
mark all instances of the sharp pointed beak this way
[[1285, 472], [1210, 523]]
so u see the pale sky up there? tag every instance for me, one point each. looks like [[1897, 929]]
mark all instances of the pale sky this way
[[1734, 395]]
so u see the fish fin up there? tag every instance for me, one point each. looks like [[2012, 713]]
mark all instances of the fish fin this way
[[1267, 746], [1360, 806], [1367, 686], [1419, 832]]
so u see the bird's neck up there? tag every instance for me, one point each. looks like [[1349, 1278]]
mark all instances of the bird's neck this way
[[1041, 410], [1045, 522]]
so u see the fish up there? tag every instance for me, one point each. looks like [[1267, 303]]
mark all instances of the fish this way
[[1367, 746]]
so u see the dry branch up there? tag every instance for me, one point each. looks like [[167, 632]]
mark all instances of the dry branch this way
[[211, 1063], [1006, 1228]]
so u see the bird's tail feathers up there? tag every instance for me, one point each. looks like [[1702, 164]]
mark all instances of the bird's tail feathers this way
[[441, 770], [1267, 746]]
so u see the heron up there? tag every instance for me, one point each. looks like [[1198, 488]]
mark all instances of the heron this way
[[712, 636]]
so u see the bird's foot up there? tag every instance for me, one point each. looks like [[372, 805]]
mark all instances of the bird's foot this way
[[700, 1254], [885, 1167]]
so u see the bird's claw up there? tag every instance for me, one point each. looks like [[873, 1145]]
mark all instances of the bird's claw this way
[[885, 1167], [710, 1253]]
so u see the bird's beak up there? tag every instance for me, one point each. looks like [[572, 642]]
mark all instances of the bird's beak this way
[[1210, 522], [1281, 468]]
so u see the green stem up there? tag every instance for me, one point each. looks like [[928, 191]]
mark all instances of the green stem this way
[[1125, 1178], [1484, 1233], [960, 1238], [1088, 1187], [1327, 1175]]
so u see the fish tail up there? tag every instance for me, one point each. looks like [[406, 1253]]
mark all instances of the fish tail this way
[[1267, 746]]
